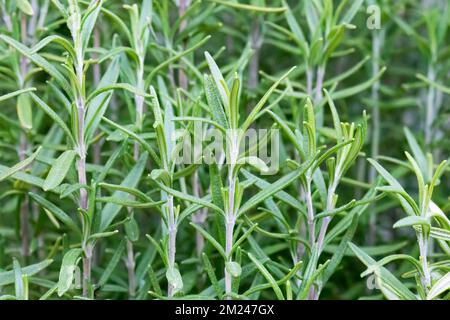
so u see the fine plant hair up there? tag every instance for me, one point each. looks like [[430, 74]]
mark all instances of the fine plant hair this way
[[233, 150]]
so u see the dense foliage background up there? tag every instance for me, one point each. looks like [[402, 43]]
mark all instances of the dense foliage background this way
[[94, 206]]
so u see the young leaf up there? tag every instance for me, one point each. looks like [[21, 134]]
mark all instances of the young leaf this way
[[442, 285], [268, 276], [233, 268], [66, 273], [110, 210], [59, 170], [19, 166], [174, 279], [7, 277]]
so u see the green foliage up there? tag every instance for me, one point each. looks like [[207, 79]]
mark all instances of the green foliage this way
[[128, 169]]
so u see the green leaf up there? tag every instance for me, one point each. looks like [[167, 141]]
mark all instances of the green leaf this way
[[252, 116], [63, 42], [174, 58], [130, 203], [59, 170], [442, 285], [132, 229], [221, 85], [281, 195], [25, 7], [111, 210], [419, 156], [255, 162], [340, 250], [189, 198], [274, 187], [214, 104], [135, 192], [440, 234], [268, 276], [19, 166], [60, 214], [174, 279], [8, 277], [396, 287], [216, 185], [88, 21], [212, 275], [351, 91], [15, 93], [40, 61], [106, 234], [211, 239], [144, 143], [161, 175], [54, 116], [351, 12], [24, 112], [336, 120], [249, 7], [66, 273], [412, 221], [18, 282], [98, 105], [233, 268]]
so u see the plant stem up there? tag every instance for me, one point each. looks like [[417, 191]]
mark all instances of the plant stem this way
[[326, 220], [230, 218], [172, 233], [182, 78], [131, 264], [23, 146], [423, 248], [87, 261], [376, 45], [313, 293], [319, 84], [255, 44], [318, 94], [96, 75], [81, 162], [430, 112], [310, 210], [139, 104], [198, 217], [24, 227]]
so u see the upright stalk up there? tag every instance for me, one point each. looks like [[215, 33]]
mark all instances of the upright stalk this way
[[313, 292], [81, 150], [255, 44], [97, 149], [326, 220], [230, 214], [310, 212], [198, 217], [318, 93], [422, 239], [172, 233], [23, 146], [139, 105], [376, 46], [430, 107], [182, 7], [319, 84]]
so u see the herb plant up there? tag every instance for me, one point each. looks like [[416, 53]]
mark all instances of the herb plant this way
[[217, 149]]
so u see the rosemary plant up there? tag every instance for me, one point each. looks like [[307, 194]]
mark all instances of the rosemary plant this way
[[252, 180]]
